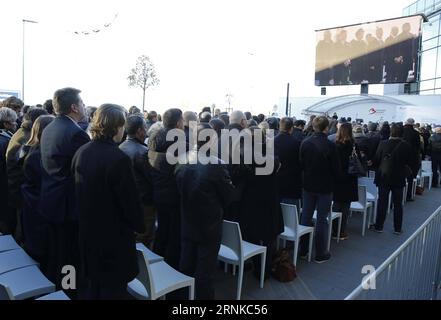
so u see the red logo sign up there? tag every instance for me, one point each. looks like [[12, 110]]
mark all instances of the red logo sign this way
[[372, 111]]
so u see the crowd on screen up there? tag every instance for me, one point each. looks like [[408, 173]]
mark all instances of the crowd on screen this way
[[81, 185]]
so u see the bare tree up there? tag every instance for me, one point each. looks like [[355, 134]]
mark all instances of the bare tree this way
[[143, 76]]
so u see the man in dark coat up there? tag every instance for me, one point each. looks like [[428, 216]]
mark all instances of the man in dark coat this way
[[374, 139], [298, 130], [412, 137], [321, 169], [289, 177], [205, 191], [165, 191], [435, 153], [59, 142], [137, 151], [391, 177], [109, 207]]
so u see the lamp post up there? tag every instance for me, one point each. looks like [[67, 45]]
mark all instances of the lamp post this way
[[23, 61]]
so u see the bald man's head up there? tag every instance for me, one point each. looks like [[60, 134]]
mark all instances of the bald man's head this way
[[238, 117]]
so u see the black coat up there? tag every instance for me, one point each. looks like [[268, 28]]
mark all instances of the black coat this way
[[165, 191], [320, 164], [35, 227], [5, 137], [289, 176], [138, 153], [298, 134], [412, 137], [259, 215], [14, 166], [205, 191], [374, 139], [59, 142], [110, 212], [346, 187], [401, 157]]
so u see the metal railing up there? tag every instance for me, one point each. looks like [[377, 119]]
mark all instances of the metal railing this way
[[412, 272]]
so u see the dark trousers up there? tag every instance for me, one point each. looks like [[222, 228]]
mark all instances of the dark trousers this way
[[64, 251], [199, 260], [321, 203], [168, 234], [342, 207], [436, 165], [383, 201], [409, 189], [148, 237]]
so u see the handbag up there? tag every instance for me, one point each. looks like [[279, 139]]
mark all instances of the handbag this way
[[282, 267], [355, 168]]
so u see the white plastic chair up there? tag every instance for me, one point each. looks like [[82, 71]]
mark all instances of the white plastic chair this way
[[426, 172], [371, 174], [15, 259], [293, 230], [59, 295], [333, 216], [157, 279], [235, 251], [362, 206], [24, 283], [371, 196], [150, 255], [8, 243]]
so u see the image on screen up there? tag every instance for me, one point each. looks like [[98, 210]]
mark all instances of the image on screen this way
[[369, 53]]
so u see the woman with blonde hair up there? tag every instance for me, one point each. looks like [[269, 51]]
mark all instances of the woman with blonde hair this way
[[35, 227]]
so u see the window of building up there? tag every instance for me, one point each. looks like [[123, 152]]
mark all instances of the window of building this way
[[431, 28], [429, 44], [429, 6], [428, 64], [412, 9], [438, 66], [420, 5], [427, 85]]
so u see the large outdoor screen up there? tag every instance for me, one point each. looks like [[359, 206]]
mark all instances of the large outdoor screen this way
[[369, 53]]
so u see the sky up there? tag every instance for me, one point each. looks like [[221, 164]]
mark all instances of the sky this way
[[202, 49]]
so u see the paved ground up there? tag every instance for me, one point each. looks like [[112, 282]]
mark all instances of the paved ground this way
[[335, 279]]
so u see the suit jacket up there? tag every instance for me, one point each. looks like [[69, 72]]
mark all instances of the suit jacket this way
[[289, 176], [110, 212], [320, 163], [138, 153], [59, 142], [5, 137]]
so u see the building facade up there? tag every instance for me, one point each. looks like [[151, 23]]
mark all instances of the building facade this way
[[430, 72]]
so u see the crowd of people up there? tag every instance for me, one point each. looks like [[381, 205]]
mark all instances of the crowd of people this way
[[79, 186]]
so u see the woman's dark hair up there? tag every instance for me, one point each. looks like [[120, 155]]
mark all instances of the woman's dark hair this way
[[396, 130], [107, 120], [344, 134]]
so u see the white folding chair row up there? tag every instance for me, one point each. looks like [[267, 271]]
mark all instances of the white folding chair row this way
[[362, 206], [157, 279], [235, 251], [15, 259], [59, 295], [293, 230], [371, 195], [24, 283], [149, 254], [8, 243]]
